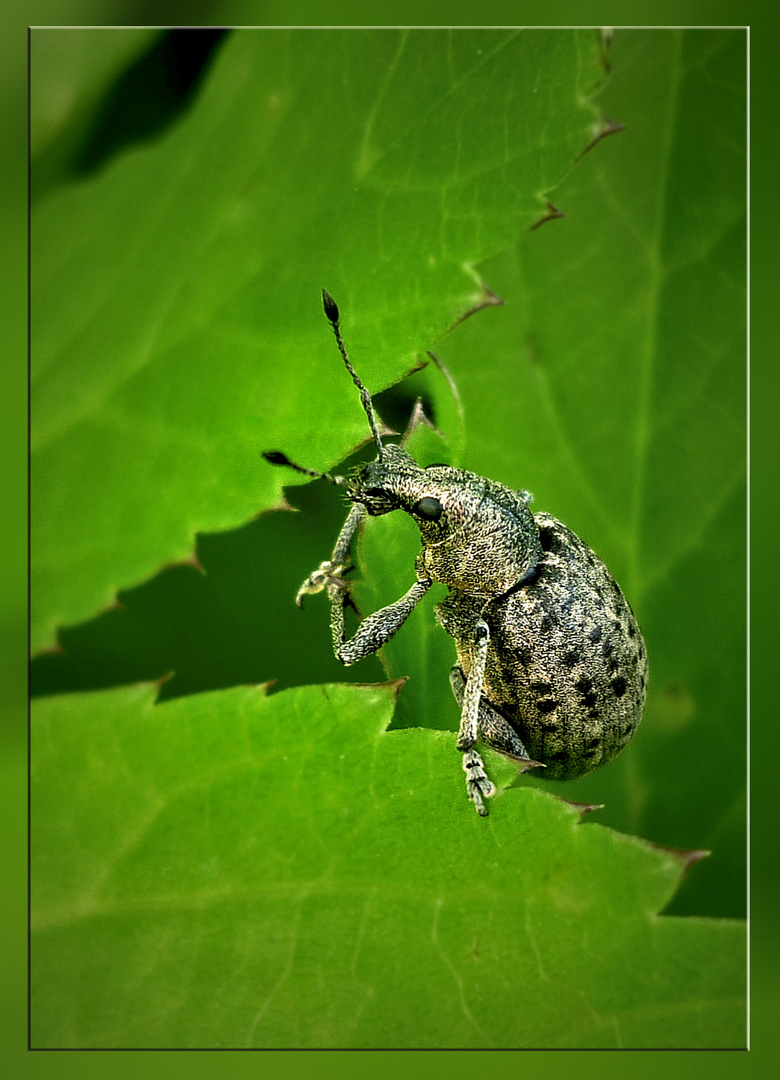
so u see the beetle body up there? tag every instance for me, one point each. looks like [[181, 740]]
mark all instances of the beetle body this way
[[566, 664], [552, 668]]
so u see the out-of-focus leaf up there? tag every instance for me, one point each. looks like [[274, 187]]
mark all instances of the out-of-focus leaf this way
[[70, 74]]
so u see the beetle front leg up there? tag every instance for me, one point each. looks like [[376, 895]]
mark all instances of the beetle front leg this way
[[330, 572], [375, 630], [378, 628]]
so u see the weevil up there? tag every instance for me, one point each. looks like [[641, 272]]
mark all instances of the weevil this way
[[551, 666]]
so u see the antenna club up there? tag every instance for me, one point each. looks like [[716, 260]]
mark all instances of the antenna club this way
[[331, 308], [276, 457]]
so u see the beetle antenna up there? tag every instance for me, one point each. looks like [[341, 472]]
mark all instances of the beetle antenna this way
[[276, 457], [332, 315]]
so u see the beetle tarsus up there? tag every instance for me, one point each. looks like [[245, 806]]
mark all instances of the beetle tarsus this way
[[478, 786]]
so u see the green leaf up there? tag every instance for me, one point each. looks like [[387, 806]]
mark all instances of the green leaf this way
[[182, 335], [236, 870], [612, 385], [177, 324], [664, 502]]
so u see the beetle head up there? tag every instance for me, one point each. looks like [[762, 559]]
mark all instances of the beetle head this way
[[439, 498]]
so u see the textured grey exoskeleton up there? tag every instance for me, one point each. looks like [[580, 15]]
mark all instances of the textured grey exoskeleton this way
[[552, 668]]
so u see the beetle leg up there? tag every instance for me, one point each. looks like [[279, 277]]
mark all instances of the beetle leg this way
[[494, 730], [329, 573], [378, 628], [375, 630], [478, 785], [467, 734]]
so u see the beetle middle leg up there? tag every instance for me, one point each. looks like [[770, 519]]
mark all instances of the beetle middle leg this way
[[478, 785], [480, 719]]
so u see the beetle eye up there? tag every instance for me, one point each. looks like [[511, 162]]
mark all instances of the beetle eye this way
[[429, 509]]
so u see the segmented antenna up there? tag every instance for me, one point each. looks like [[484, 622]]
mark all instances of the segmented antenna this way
[[332, 315], [276, 457]]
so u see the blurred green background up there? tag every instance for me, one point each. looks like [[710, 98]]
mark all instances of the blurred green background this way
[[668, 532]]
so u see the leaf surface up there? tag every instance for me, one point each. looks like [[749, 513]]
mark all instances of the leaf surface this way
[[236, 870], [177, 326], [240, 870], [612, 385]]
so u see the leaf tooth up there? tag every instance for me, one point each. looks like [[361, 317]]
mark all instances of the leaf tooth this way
[[486, 299], [160, 683], [581, 808], [603, 128], [550, 213], [193, 561], [685, 856], [395, 684]]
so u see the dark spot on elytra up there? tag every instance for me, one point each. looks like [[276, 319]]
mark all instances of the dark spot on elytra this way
[[619, 686], [631, 630], [541, 687], [523, 656], [571, 659], [547, 623], [595, 634], [606, 648], [613, 666], [592, 743], [584, 687], [547, 705]]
